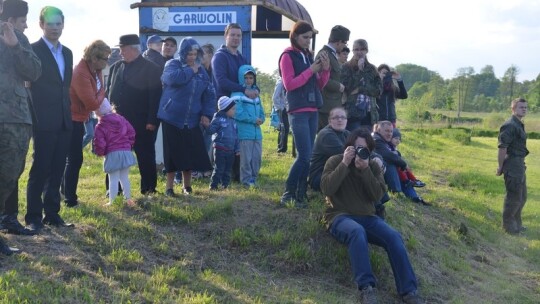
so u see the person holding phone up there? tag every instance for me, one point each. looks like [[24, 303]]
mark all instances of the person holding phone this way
[[393, 88]]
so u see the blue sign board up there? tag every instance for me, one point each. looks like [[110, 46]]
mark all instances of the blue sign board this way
[[195, 19]]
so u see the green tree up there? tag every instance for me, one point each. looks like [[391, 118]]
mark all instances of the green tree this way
[[462, 83], [508, 84], [412, 73]]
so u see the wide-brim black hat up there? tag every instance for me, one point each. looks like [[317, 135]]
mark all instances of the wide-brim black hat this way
[[130, 39]]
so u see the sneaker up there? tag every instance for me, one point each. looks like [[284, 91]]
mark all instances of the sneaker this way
[[368, 295], [170, 193], [213, 188], [196, 175], [187, 190], [287, 198], [13, 226], [412, 298], [6, 250], [419, 184], [207, 174]]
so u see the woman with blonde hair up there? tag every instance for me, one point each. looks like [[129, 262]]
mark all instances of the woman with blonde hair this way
[[87, 92]]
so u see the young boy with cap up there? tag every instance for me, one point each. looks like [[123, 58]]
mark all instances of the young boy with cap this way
[[249, 117], [406, 176], [226, 144]]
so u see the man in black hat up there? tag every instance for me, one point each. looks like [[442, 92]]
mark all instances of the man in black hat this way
[[134, 87], [53, 126], [19, 64], [332, 91]]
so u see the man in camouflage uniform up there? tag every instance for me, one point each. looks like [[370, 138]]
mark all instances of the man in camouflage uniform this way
[[511, 158], [18, 63]]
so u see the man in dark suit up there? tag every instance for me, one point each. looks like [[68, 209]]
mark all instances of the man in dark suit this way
[[52, 130], [134, 87]]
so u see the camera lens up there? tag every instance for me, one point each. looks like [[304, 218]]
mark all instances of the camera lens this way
[[362, 152]]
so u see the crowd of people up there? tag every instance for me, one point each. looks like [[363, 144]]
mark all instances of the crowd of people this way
[[198, 110]]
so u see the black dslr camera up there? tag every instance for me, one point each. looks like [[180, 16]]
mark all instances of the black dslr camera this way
[[362, 152]]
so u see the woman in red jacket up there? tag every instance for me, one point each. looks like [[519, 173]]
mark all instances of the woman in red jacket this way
[[86, 93]]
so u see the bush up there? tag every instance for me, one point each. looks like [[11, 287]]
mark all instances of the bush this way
[[462, 136], [493, 121]]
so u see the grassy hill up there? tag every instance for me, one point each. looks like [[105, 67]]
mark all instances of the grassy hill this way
[[238, 246]]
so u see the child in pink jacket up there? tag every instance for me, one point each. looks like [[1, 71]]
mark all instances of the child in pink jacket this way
[[113, 138]]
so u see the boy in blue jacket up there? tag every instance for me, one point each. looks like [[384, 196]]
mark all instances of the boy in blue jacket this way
[[225, 141], [249, 117]]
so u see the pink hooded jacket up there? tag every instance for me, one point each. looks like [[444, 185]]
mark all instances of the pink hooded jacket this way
[[113, 133]]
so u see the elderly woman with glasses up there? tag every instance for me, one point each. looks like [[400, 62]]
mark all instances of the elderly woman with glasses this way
[[87, 92], [330, 141]]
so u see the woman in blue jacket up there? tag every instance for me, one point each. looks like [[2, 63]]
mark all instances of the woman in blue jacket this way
[[188, 99]]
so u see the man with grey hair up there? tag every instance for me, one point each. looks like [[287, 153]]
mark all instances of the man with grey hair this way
[[19, 64], [134, 87]]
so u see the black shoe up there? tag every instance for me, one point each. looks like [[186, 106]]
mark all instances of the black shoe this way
[[35, 226], [12, 225], [75, 203], [56, 220], [5, 249], [412, 298], [187, 190], [215, 188], [170, 193], [421, 201]]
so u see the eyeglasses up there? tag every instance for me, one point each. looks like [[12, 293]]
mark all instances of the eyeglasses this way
[[359, 49], [339, 118]]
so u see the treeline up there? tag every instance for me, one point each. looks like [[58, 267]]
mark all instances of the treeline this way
[[469, 91]]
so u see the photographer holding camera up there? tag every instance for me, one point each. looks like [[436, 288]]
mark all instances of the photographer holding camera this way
[[353, 184]]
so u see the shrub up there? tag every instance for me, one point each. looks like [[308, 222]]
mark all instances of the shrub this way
[[460, 135]]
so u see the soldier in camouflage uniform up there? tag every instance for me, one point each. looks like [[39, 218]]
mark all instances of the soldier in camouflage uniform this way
[[511, 158], [362, 82], [18, 64]]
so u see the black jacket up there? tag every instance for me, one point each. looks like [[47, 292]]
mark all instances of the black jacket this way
[[50, 93]]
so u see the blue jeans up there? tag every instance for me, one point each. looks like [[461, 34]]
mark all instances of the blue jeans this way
[[304, 129], [356, 232], [391, 178], [223, 162], [89, 127]]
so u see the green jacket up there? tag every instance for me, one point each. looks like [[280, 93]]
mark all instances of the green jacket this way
[[349, 190], [330, 93], [17, 65], [367, 81]]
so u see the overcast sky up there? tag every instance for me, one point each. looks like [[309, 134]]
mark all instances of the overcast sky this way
[[439, 35]]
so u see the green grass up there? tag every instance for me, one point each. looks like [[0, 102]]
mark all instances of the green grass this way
[[238, 246]]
